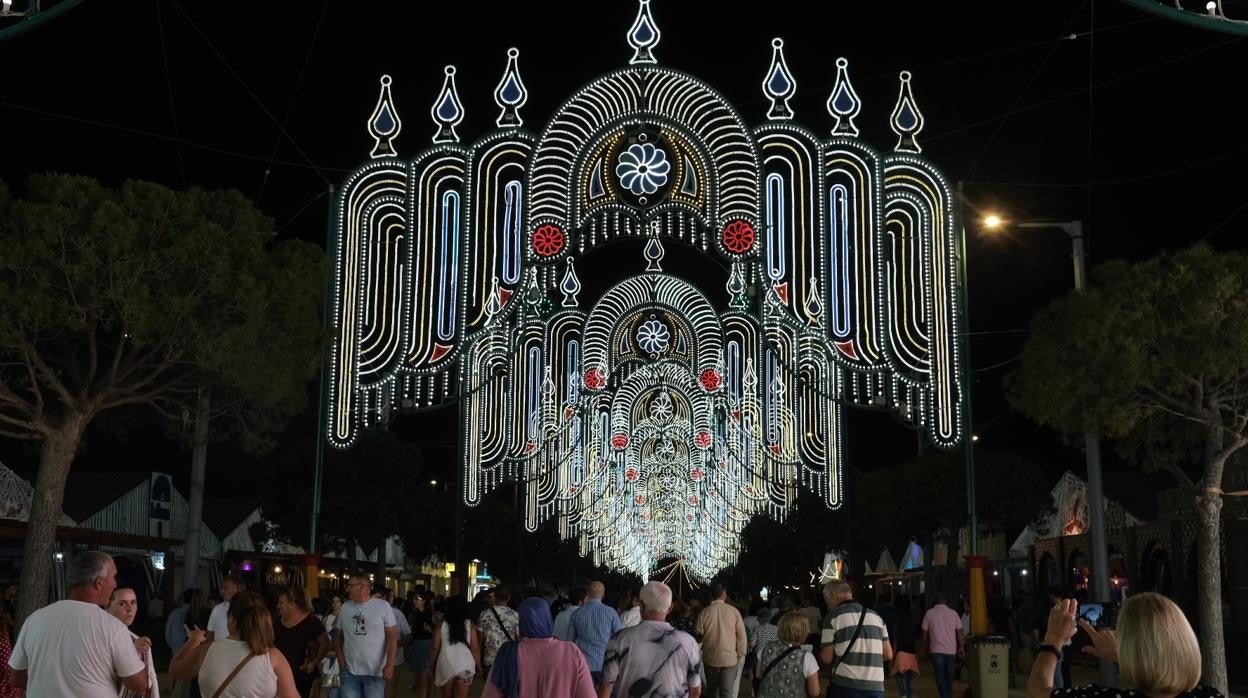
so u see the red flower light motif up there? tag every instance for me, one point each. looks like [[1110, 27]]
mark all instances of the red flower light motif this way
[[710, 380], [689, 518], [693, 499], [595, 379], [640, 499], [702, 439], [738, 237], [619, 442], [548, 240], [631, 475], [696, 475], [530, 447]]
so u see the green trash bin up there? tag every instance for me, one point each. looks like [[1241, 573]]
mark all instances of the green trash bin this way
[[988, 657]]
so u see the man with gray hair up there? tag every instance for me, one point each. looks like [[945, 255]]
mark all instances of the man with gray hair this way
[[854, 640], [74, 647], [652, 658]]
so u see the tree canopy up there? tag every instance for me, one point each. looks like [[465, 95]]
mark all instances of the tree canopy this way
[[141, 296], [1155, 354]]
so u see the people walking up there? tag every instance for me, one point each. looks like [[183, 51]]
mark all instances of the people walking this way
[[651, 658], [563, 621], [945, 639], [218, 627], [301, 638], [592, 627], [905, 651], [422, 643], [785, 669], [456, 654], [124, 606], [538, 664], [497, 624], [854, 643], [723, 644], [73, 647], [366, 642], [244, 663]]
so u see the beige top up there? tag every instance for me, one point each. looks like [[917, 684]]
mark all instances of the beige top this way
[[255, 680], [723, 635]]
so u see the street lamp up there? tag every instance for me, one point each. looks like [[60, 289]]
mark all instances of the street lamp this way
[[1091, 440]]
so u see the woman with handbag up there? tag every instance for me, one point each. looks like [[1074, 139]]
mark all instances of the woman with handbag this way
[[243, 665], [785, 668]]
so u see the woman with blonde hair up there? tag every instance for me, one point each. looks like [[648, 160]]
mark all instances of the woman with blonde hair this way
[[785, 669], [243, 665], [1154, 647]]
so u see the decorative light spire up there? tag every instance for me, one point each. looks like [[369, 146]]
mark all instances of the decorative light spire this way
[[643, 35], [654, 254], [736, 289], [906, 120], [510, 94], [814, 306], [384, 124], [570, 286], [843, 103], [779, 84], [447, 110]]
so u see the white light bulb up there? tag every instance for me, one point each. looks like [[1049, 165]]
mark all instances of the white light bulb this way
[[1211, 7], [5, 5]]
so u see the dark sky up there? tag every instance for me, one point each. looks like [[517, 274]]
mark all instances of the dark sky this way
[[1049, 110]]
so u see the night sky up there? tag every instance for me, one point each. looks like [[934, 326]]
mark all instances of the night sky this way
[[1046, 110]]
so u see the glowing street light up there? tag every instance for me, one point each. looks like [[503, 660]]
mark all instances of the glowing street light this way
[[993, 222]]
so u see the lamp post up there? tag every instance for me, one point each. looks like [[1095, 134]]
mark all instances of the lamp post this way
[[1091, 438]]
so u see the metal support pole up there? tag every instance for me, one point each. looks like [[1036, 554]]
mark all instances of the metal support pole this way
[[975, 563], [322, 407], [1092, 451]]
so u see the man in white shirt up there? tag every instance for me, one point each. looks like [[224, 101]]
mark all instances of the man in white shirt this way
[[218, 621], [632, 616], [563, 621], [404, 631], [74, 647], [367, 642]]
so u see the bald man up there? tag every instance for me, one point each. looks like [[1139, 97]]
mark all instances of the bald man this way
[[592, 626]]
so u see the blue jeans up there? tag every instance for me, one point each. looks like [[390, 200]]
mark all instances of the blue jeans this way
[[943, 665], [357, 686], [835, 691]]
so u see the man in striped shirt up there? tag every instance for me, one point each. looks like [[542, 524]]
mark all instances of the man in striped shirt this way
[[859, 671]]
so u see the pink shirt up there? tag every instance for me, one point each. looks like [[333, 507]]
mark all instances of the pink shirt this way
[[942, 624], [549, 668]]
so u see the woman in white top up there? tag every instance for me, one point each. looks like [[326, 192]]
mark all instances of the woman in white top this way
[[455, 653], [244, 665]]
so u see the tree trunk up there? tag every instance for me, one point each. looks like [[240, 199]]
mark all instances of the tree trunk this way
[[195, 507], [55, 458], [1209, 563], [953, 573]]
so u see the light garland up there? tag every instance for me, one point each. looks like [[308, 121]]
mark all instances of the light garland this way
[[653, 422]]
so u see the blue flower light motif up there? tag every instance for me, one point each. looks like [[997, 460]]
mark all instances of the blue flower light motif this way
[[643, 168], [653, 337]]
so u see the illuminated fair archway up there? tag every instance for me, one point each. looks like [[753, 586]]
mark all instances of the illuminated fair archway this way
[[654, 421]]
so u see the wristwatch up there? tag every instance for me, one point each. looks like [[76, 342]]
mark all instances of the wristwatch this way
[[1050, 648]]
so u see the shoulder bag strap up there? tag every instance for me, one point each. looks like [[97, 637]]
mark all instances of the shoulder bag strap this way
[[772, 664], [228, 679], [836, 663], [500, 623]]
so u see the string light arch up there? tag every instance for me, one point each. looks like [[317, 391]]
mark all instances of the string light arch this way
[[654, 421]]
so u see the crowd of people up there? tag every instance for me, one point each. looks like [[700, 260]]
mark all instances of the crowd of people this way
[[283, 644]]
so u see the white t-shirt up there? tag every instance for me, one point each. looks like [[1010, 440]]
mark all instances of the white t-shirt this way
[[363, 627], [74, 648], [404, 628], [219, 622]]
